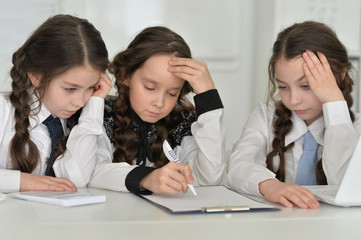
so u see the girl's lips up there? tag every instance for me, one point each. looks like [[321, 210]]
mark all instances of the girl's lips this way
[[154, 114], [300, 111]]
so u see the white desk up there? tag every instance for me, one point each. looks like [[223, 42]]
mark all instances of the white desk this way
[[126, 216]]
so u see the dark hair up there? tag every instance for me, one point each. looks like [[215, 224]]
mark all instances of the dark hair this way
[[59, 44], [149, 42], [291, 43]]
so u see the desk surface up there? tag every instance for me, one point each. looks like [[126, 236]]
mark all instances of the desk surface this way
[[126, 216]]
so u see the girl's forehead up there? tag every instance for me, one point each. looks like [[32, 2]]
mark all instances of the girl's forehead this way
[[155, 70], [80, 76], [289, 70]]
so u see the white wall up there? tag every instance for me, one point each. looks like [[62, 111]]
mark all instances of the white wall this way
[[233, 36]]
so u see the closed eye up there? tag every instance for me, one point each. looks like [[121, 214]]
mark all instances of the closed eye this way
[[70, 90], [172, 94], [306, 86], [149, 88]]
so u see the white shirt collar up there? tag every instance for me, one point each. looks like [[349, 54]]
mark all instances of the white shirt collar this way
[[300, 128], [39, 113]]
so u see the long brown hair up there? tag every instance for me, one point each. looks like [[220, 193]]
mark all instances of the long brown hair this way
[[151, 41], [291, 43], [59, 44]]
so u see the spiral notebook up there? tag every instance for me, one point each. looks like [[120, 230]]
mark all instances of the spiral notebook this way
[[209, 199]]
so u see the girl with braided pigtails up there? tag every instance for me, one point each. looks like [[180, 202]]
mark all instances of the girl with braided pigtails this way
[[55, 108], [308, 134]]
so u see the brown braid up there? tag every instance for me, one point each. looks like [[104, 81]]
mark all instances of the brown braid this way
[[149, 42], [291, 43], [59, 44], [23, 160], [281, 127]]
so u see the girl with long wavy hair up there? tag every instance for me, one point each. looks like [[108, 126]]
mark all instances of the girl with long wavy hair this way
[[153, 77], [310, 68], [54, 111]]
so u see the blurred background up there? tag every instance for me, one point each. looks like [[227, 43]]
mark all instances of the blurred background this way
[[234, 37]]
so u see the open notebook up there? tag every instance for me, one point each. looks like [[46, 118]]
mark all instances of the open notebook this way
[[208, 199], [349, 191]]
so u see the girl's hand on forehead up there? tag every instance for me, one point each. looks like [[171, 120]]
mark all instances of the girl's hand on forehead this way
[[103, 87], [320, 77], [194, 72]]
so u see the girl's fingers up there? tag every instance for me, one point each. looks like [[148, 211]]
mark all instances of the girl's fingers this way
[[186, 62], [313, 69], [59, 185], [302, 198], [194, 72], [310, 199], [297, 199], [65, 183], [175, 185], [315, 61], [181, 173], [183, 69], [308, 73], [104, 86], [324, 62], [285, 202]]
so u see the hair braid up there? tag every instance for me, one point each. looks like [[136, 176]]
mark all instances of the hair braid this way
[[61, 43], [281, 127], [290, 44], [151, 41], [23, 151]]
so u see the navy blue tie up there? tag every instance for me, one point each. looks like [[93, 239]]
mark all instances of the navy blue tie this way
[[56, 133], [306, 171]]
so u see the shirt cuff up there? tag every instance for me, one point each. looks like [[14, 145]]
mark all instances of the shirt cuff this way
[[93, 108], [9, 181], [336, 113], [207, 101], [132, 181]]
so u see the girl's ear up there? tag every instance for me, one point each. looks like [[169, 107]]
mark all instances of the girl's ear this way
[[35, 78], [344, 73], [126, 82]]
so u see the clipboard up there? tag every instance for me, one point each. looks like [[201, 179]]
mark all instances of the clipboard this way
[[210, 199]]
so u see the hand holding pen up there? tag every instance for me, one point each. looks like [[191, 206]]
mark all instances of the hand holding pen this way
[[170, 154], [171, 178]]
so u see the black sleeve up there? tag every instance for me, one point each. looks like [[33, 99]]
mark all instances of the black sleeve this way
[[207, 101], [134, 177]]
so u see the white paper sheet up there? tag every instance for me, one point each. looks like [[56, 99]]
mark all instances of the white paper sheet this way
[[213, 196]]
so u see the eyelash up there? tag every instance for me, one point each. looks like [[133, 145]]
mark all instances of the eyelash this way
[[149, 88], [303, 86], [70, 90], [306, 86]]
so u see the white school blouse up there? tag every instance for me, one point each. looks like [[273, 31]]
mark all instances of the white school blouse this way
[[76, 164], [334, 131], [204, 152]]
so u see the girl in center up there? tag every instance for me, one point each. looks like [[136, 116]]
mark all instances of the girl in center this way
[[310, 68], [153, 77]]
